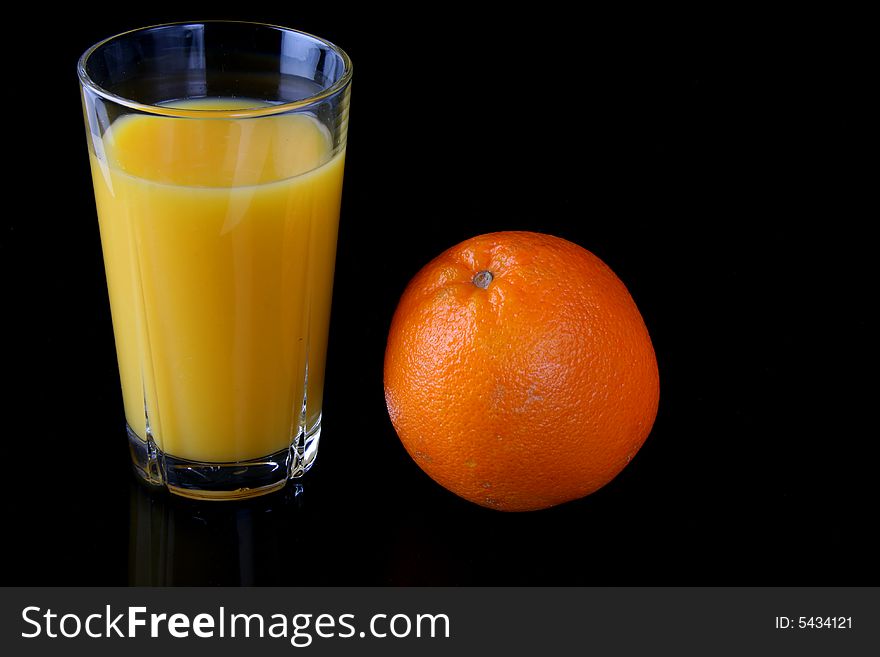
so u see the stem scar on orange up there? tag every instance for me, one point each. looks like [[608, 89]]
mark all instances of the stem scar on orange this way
[[519, 373]]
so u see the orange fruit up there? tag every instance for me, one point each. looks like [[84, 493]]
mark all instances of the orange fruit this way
[[519, 373]]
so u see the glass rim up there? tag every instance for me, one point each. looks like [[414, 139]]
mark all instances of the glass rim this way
[[160, 110]]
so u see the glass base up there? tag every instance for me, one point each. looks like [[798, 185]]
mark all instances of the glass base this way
[[223, 481]]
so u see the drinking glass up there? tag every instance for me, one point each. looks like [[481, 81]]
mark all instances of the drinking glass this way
[[217, 152]]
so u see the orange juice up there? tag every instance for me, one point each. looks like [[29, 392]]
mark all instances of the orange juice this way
[[219, 240]]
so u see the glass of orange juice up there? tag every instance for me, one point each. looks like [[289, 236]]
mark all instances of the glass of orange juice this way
[[217, 153]]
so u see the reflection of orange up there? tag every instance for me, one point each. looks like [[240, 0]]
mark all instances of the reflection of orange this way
[[519, 373]]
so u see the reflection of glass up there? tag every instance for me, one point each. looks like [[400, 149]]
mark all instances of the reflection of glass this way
[[217, 153], [175, 542]]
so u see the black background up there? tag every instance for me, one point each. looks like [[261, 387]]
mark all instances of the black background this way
[[711, 161]]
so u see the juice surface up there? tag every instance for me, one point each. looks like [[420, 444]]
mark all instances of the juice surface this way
[[219, 239]]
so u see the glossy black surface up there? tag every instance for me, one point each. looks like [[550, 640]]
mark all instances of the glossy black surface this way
[[706, 162]]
